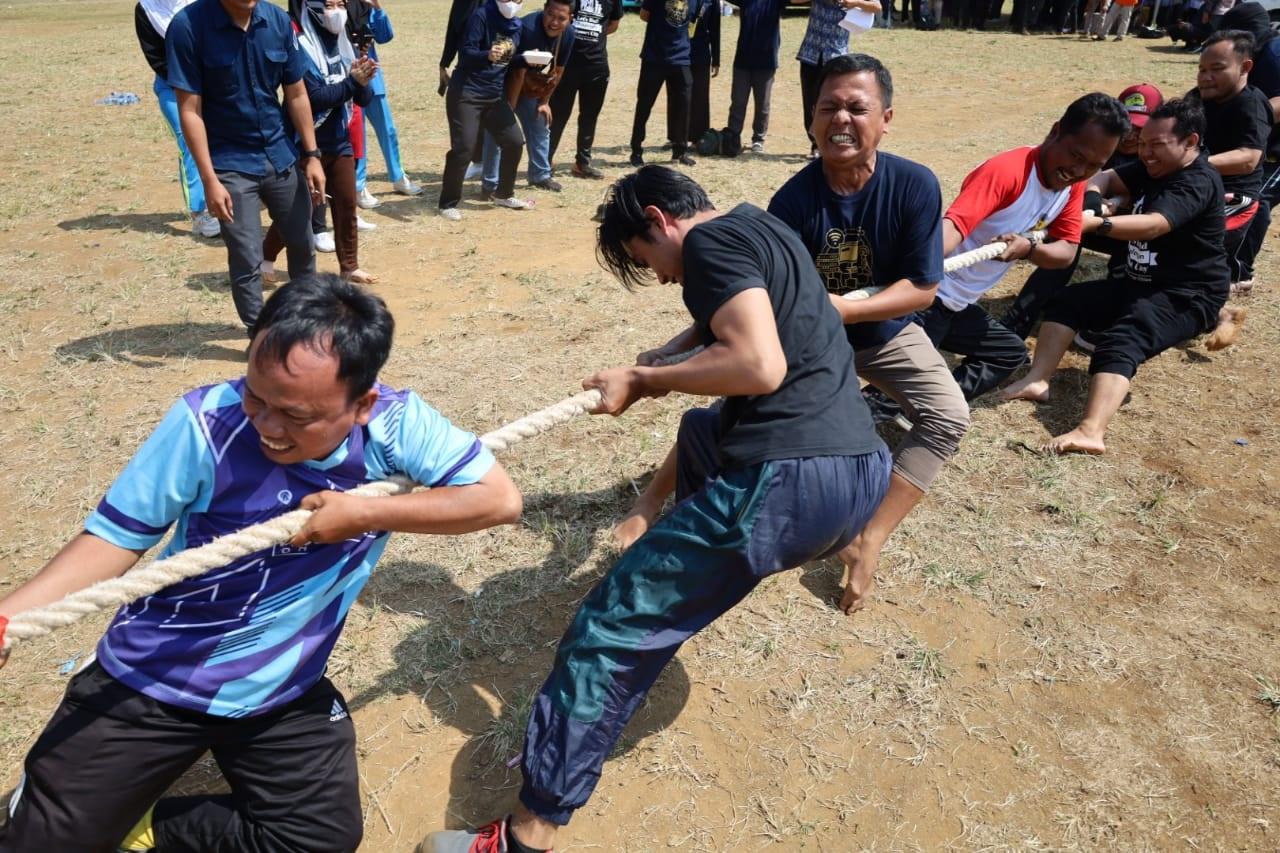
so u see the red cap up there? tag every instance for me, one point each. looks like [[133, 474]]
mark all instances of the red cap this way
[[1141, 101]]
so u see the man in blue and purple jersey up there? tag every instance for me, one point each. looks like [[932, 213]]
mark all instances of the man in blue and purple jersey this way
[[233, 661]]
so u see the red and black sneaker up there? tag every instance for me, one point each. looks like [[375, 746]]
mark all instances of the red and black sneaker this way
[[490, 838]]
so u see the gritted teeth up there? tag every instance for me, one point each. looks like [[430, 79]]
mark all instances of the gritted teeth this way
[[275, 445], [841, 138]]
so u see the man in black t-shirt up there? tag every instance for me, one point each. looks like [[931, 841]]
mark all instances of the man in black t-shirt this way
[[787, 469], [1237, 124], [1175, 281], [586, 78]]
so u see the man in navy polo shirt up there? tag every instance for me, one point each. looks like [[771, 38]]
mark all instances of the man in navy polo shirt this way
[[664, 59], [226, 60], [754, 65]]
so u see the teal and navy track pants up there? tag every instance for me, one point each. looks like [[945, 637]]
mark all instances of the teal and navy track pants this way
[[731, 529]]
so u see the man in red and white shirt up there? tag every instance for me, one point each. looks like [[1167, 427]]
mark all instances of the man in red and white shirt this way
[[1017, 192]]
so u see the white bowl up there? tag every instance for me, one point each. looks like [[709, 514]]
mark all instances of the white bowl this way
[[536, 58]]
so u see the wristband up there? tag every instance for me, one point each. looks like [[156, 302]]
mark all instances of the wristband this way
[[1104, 227], [1093, 202], [1034, 241], [315, 152]]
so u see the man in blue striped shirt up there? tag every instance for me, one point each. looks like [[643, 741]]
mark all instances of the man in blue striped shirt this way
[[233, 661]]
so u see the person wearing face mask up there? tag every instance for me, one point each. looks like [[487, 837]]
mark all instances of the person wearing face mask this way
[[1139, 100], [476, 101], [550, 30], [151, 18], [1175, 281], [1025, 190], [336, 79]]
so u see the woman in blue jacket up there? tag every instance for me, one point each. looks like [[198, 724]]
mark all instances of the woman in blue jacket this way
[[476, 102], [367, 18]]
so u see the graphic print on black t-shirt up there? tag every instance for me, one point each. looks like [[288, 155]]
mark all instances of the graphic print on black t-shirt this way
[[677, 12], [1141, 258], [1190, 260], [845, 263]]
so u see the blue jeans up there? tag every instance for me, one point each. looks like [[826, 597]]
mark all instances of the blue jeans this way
[[188, 174], [378, 114], [537, 137]]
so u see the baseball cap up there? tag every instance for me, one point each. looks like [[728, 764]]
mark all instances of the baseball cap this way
[[1141, 100]]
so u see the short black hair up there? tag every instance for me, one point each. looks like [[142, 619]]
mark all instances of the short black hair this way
[[568, 3], [1095, 108], [1187, 115], [622, 216], [1242, 42], [857, 63], [328, 314]]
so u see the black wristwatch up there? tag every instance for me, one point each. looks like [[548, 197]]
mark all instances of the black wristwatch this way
[[313, 153], [1034, 241], [1104, 227]]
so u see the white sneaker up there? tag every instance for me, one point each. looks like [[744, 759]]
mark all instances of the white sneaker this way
[[474, 171], [513, 203], [452, 214], [203, 224], [323, 242], [366, 200], [405, 186], [361, 225]]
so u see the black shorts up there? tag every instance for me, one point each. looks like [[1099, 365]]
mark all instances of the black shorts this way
[[1132, 322], [109, 753]]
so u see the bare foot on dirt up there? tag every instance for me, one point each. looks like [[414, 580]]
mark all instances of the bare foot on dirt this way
[[634, 524], [860, 563], [1025, 389], [1076, 441], [269, 274], [1230, 319], [361, 277]]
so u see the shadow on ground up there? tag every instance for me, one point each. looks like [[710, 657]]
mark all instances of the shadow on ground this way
[[148, 223], [153, 345]]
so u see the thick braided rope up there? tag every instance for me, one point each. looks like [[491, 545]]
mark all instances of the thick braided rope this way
[[155, 576], [224, 550], [956, 262]]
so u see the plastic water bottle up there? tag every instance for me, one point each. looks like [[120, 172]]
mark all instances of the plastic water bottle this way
[[118, 99]]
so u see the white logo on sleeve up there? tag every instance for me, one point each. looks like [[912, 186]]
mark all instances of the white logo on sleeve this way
[[337, 712]]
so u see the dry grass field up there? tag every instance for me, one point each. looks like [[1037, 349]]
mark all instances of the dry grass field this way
[[1063, 653]]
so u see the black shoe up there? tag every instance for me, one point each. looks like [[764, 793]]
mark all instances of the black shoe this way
[[551, 185], [586, 170], [884, 410], [683, 160], [636, 159]]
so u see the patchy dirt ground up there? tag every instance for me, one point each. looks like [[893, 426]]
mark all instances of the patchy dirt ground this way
[[1063, 653]]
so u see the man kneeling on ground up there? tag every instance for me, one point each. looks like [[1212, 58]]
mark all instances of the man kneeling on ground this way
[[232, 661], [1175, 281]]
